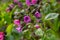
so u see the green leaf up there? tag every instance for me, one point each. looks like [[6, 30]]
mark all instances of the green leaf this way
[[11, 37], [7, 18], [39, 32], [9, 29], [51, 16], [27, 34], [56, 24]]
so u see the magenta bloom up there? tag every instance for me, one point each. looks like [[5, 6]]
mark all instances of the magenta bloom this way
[[27, 19], [37, 14], [34, 2], [1, 36], [15, 1], [31, 2], [17, 22], [19, 29], [37, 20], [11, 5], [8, 9], [28, 2], [20, 4], [37, 26]]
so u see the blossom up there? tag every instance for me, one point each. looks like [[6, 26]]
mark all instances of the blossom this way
[[28, 2], [37, 14], [37, 20], [20, 4], [19, 29], [17, 22], [1, 36], [37, 26], [34, 2], [8, 9], [11, 5], [27, 19], [31, 2], [15, 1]]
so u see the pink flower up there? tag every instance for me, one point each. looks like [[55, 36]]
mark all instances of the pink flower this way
[[20, 4], [31, 2], [37, 26], [8, 9], [37, 20], [27, 19], [19, 29], [1, 36], [15, 1], [37, 14], [28, 2], [34, 2], [11, 5], [17, 22]]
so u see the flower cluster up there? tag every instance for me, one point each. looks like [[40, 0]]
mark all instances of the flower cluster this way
[[31, 2], [29, 20]]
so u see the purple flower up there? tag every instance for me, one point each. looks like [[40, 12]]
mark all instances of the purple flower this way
[[28, 2], [15, 1], [27, 19], [31, 2], [37, 26], [19, 29], [11, 5], [37, 20], [1, 36], [17, 22], [8, 9], [34, 2], [20, 4], [37, 14]]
